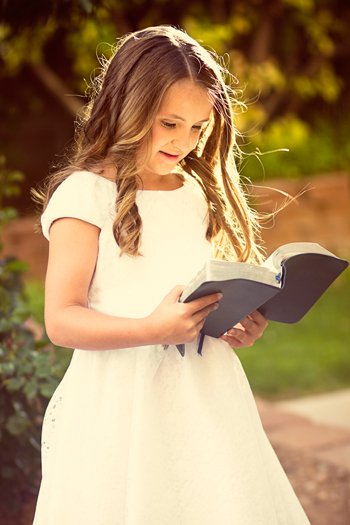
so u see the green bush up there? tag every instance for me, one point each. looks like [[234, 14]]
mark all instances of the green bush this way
[[29, 373]]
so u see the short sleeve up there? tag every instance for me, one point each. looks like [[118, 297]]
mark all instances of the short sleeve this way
[[82, 195]]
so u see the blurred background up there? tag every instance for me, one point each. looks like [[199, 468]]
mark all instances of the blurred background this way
[[290, 58]]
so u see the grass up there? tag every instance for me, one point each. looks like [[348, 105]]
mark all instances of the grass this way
[[308, 357]]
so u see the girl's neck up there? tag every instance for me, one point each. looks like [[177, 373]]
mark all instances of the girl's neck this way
[[173, 181], [169, 182]]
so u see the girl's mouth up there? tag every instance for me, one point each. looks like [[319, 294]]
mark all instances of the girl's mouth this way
[[169, 156]]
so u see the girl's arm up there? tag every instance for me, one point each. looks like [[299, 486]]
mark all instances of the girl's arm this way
[[70, 323]]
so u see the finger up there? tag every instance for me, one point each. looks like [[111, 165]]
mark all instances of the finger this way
[[240, 339], [246, 336], [175, 293], [200, 324], [247, 324], [259, 318], [201, 315], [254, 325], [203, 302], [240, 335], [251, 331], [232, 341]]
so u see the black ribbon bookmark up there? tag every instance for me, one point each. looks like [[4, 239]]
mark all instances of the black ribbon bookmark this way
[[181, 347], [200, 343]]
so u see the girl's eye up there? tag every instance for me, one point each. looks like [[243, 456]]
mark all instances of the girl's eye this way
[[172, 125]]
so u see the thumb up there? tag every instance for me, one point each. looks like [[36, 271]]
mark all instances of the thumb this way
[[174, 294]]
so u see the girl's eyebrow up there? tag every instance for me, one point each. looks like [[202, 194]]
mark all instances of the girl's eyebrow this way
[[177, 117]]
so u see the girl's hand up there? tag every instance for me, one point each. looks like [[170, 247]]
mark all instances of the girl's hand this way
[[173, 322], [247, 331]]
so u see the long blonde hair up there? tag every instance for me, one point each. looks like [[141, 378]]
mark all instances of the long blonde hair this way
[[124, 102]]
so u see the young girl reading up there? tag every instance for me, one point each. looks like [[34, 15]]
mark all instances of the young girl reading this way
[[136, 433]]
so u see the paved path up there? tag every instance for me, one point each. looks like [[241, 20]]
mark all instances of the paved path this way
[[332, 408], [314, 454]]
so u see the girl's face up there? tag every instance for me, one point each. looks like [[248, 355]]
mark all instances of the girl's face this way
[[183, 112]]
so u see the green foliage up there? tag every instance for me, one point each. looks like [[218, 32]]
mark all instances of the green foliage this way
[[301, 66], [324, 83], [296, 149], [214, 35], [29, 373], [238, 30], [9, 187], [309, 357], [17, 50]]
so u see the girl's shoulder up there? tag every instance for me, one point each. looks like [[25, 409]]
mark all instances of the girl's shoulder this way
[[87, 179], [83, 195]]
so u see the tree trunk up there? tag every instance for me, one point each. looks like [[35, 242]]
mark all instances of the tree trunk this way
[[57, 88]]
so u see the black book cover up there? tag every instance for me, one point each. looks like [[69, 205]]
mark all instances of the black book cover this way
[[298, 283]]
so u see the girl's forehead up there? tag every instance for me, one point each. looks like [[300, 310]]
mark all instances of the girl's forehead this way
[[184, 98]]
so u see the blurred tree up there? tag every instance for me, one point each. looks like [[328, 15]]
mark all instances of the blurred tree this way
[[290, 57], [287, 51]]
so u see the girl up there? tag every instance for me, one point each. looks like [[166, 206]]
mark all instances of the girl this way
[[136, 433]]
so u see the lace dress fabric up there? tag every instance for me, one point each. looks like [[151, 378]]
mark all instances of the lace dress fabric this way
[[144, 435]]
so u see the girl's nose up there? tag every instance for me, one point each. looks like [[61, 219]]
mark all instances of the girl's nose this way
[[182, 142]]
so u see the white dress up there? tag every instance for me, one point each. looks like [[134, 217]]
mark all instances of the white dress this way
[[144, 435]]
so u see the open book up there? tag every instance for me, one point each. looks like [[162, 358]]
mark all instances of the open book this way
[[283, 288]]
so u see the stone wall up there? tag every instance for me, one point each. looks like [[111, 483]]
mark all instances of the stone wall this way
[[320, 214]]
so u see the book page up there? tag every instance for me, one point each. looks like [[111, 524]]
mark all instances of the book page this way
[[218, 270], [274, 261]]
